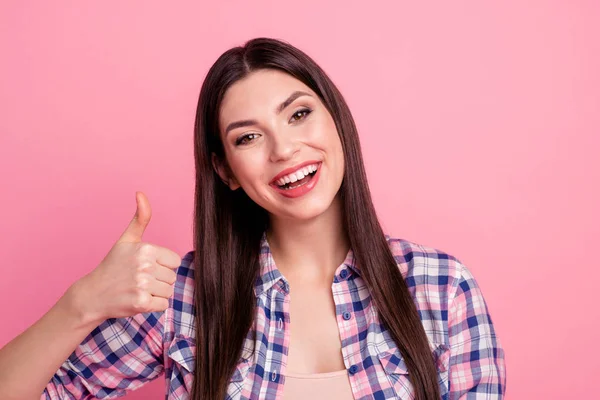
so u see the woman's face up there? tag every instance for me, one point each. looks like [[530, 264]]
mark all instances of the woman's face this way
[[281, 145]]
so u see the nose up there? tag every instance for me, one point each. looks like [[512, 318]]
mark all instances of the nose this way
[[283, 147]]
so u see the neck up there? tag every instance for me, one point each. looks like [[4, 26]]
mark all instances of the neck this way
[[310, 250]]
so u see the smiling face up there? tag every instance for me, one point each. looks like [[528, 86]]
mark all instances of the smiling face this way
[[275, 130]]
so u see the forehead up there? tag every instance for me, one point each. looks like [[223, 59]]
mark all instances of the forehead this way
[[258, 94]]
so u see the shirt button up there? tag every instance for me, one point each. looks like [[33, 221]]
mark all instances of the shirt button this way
[[346, 315], [273, 376], [344, 274], [353, 369]]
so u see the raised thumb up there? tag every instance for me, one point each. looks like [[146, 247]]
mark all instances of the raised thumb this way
[[137, 226]]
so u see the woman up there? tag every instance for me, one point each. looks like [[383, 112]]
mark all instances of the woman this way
[[282, 212]]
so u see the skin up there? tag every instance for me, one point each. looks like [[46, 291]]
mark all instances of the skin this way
[[305, 234]]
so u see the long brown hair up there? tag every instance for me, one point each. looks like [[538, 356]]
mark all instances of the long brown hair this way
[[228, 227]]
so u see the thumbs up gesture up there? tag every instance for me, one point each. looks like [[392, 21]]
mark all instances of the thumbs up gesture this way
[[134, 277]]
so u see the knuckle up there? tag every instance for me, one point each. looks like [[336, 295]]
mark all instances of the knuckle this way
[[146, 250], [141, 281], [146, 266]]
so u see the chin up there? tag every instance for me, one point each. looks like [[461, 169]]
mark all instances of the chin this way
[[311, 210]]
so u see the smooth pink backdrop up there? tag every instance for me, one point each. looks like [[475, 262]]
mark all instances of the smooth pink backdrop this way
[[479, 123]]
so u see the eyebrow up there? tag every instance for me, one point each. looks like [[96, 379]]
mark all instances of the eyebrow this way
[[280, 108]]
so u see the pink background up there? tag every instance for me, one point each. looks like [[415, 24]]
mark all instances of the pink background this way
[[479, 124]]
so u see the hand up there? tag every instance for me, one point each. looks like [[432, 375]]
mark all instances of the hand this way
[[133, 278]]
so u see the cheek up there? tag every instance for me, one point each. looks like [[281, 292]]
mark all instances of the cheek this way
[[248, 167], [334, 143], [323, 133]]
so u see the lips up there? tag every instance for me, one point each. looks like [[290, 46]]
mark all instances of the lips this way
[[300, 190], [295, 168]]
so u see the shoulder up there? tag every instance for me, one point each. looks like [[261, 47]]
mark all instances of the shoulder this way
[[421, 264], [432, 277], [455, 317]]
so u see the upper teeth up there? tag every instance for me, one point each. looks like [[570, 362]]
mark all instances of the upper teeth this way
[[296, 176]]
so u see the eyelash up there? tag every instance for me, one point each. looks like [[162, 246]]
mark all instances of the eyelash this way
[[307, 111]]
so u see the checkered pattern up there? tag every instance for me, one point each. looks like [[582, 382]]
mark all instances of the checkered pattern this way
[[123, 354]]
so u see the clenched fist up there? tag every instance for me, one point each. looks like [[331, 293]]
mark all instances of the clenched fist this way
[[134, 277]]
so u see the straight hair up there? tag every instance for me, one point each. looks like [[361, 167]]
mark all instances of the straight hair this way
[[228, 227]]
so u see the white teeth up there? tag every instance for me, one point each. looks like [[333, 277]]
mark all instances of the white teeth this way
[[296, 176]]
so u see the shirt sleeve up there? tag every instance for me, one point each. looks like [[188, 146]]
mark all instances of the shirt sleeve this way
[[477, 368], [118, 356]]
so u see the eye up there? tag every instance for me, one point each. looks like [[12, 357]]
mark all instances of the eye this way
[[245, 139], [300, 114]]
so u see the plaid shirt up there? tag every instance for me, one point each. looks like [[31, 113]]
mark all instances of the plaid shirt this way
[[122, 354]]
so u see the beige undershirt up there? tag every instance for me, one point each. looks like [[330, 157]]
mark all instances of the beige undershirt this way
[[328, 385]]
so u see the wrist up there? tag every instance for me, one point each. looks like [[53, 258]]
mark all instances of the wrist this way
[[75, 304]]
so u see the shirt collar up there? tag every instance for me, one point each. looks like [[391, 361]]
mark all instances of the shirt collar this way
[[270, 275]]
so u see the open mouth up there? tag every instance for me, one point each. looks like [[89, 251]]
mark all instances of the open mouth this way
[[298, 183], [299, 178]]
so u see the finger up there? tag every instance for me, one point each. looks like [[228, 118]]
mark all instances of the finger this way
[[164, 274], [159, 304], [167, 258], [160, 289], [135, 230]]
